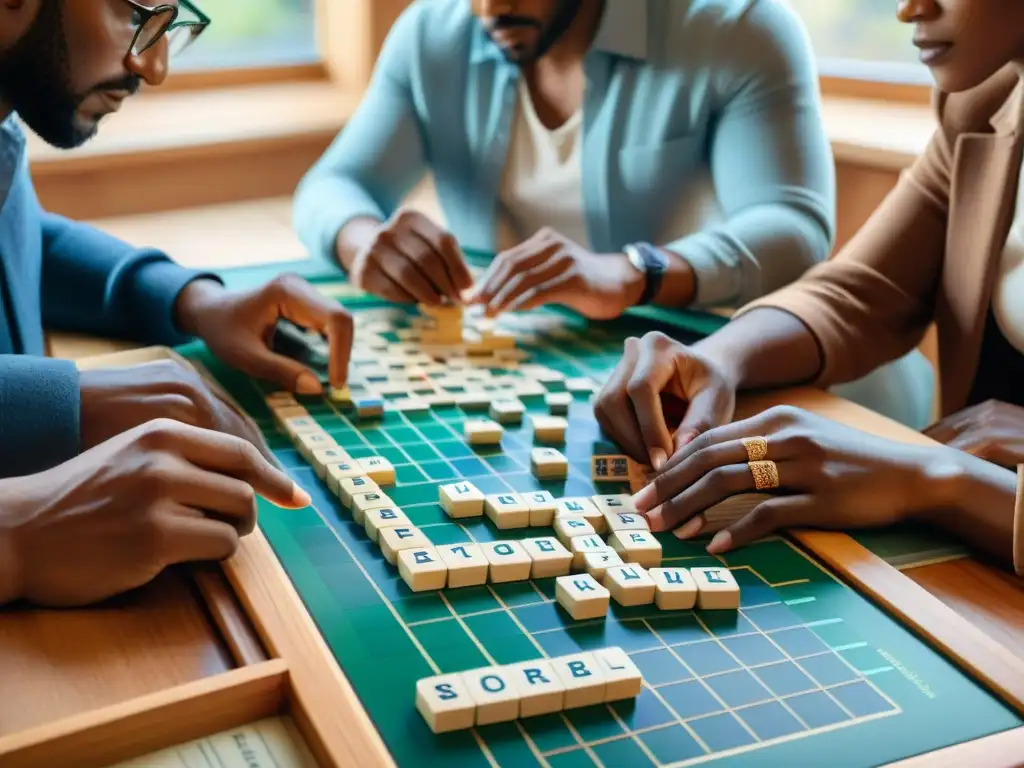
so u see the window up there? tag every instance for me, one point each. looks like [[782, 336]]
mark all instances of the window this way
[[861, 39], [254, 33]]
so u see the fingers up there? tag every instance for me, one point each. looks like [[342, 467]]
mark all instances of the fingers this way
[[653, 371], [219, 495], [510, 294], [374, 280], [191, 538], [422, 265], [684, 474], [232, 456], [406, 271], [612, 408], [506, 266], [456, 275], [767, 517], [712, 403], [762, 424], [560, 289], [715, 486]]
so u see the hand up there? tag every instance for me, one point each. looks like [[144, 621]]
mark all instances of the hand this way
[[116, 400], [409, 259], [992, 431], [831, 476], [659, 386], [113, 518], [549, 268], [237, 328]]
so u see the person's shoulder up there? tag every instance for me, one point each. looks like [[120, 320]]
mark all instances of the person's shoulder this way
[[724, 27], [974, 110], [435, 25]]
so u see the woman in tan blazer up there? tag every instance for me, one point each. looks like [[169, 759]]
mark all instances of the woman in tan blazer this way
[[945, 247]]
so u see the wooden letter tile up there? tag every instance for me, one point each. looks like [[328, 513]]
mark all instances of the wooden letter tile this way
[[379, 470], [542, 508], [338, 472], [596, 563], [629, 585], [445, 703], [615, 504], [483, 432], [541, 692], [581, 676], [716, 588], [621, 676], [549, 557], [362, 502], [586, 509], [568, 527], [353, 486], [394, 540], [461, 500], [327, 457], [547, 463], [581, 546], [639, 547], [508, 561], [609, 469], [676, 589], [467, 565], [507, 511], [582, 596], [495, 695], [376, 520], [422, 569]]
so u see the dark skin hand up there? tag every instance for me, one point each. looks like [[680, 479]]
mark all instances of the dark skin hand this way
[[549, 268], [832, 477], [408, 259], [993, 431], [114, 517], [239, 326]]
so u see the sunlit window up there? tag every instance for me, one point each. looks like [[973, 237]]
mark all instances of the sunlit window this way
[[254, 33]]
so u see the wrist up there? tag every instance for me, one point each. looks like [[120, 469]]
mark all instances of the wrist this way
[[951, 482], [356, 236], [634, 282], [192, 304]]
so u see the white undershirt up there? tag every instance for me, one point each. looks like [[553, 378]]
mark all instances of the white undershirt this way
[[1008, 295], [543, 182]]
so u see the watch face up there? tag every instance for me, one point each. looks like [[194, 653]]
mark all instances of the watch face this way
[[636, 259]]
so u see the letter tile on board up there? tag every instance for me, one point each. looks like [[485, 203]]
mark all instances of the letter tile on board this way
[[379, 470], [338, 472], [547, 463], [362, 502], [395, 540], [580, 546], [353, 486], [568, 527], [586, 509], [542, 508], [541, 692], [676, 589], [495, 695], [301, 425], [596, 563], [558, 403], [716, 588], [581, 676], [507, 511], [639, 547], [549, 557], [508, 561], [326, 457], [422, 569], [310, 442], [467, 565], [630, 585], [582, 596], [549, 429], [445, 703], [376, 520], [507, 411], [615, 504], [482, 432], [609, 469], [622, 678], [626, 521], [461, 500]]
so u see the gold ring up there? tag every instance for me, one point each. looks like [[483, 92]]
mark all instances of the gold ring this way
[[757, 448], [766, 475]]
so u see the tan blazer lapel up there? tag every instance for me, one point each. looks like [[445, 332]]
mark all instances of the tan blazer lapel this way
[[986, 170]]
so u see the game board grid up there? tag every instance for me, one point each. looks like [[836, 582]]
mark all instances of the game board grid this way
[[640, 737]]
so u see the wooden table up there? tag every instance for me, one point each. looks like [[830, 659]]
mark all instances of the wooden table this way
[[54, 664]]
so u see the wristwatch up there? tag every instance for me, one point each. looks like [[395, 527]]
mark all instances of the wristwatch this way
[[650, 262]]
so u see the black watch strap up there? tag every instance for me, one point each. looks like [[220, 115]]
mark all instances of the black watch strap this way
[[655, 267]]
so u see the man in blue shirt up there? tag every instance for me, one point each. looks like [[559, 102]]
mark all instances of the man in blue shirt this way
[[159, 479], [611, 152]]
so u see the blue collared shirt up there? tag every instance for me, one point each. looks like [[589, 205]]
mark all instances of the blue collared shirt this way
[[675, 89]]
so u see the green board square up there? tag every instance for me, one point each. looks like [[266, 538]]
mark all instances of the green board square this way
[[453, 449], [436, 433], [409, 475], [625, 751], [408, 495], [392, 454], [379, 437], [578, 758], [502, 637], [421, 452], [427, 515], [446, 532], [467, 600], [403, 436], [449, 646], [439, 470], [595, 723]]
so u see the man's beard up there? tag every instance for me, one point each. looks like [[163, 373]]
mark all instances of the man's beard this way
[[560, 22], [35, 80]]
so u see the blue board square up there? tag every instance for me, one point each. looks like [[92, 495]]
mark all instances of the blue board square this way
[[622, 752], [672, 744], [690, 699], [683, 628], [769, 617], [828, 669], [706, 658], [752, 650], [660, 666], [738, 688], [816, 709], [861, 699], [785, 679], [770, 721], [799, 642], [645, 711], [721, 732]]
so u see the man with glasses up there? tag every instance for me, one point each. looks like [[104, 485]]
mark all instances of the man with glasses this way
[[168, 490]]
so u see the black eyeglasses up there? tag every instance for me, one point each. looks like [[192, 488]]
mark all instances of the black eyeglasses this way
[[153, 22]]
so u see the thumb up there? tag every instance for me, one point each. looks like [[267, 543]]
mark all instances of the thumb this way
[[766, 518], [711, 405], [256, 359]]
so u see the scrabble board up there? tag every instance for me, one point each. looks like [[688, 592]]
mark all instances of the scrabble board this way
[[807, 670]]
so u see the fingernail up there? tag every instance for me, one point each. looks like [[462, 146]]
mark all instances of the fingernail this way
[[689, 529], [685, 438], [300, 497], [644, 498], [308, 384], [655, 520], [658, 458], [721, 543]]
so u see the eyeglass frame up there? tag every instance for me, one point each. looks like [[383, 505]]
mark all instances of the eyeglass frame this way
[[149, 12]]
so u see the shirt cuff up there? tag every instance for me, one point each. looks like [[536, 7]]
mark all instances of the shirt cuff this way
[[154, 293], [717, 284], [40, 408]]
